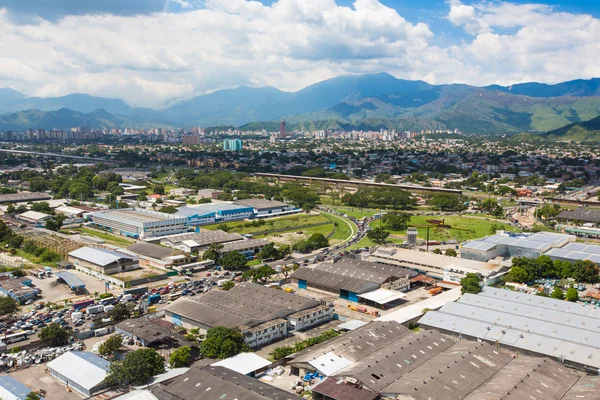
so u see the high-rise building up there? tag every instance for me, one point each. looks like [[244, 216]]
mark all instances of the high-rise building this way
[[232, 145], [282, 129]]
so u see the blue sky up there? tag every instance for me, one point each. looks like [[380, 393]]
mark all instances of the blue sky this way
[[154, 52]]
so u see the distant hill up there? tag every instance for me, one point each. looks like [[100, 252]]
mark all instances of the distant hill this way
[[371, 101], [579, 132]]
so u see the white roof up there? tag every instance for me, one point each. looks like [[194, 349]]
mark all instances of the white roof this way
[[70, 210], [351, 325], [83, 368], [415, 310], [243, 363], [137, 395], [382, 296], [330, 363], [98, 256], [34, 215]]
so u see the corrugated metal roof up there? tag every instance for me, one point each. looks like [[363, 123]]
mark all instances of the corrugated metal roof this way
[[329, 363], [85, 369], [71, 279], [244, 363], [12, 389], [99, 256]]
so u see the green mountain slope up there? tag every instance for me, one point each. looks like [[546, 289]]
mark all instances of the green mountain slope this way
[[579, 132]]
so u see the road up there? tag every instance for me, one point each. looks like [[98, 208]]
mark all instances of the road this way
[[58, 155]]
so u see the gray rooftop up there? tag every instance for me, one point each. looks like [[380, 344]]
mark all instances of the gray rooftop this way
[[261, 203], [243, 244], [98, 256], [218, 383], [23, 196], [151, 250], [315, 276], [204, 238], [581, 214]]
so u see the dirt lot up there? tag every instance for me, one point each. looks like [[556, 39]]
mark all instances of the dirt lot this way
[[36, 378], [55, 291]]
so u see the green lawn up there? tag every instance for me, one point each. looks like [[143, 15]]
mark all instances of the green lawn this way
[[355, 212], [462, 228], [107, 237], [364, 242], [287, 223], [343, 231]]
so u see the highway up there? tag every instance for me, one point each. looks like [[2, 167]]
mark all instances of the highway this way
[[58, 155]]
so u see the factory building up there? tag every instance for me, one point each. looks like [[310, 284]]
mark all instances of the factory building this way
[[352, 279], [263, 314], [528, 324], [267, 208], [449, 269], [139, 223], [19, 289], [80, 371], [210, 213], [103, 261], [195, 242], [248, 248]]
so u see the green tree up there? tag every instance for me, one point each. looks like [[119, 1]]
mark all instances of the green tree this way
[[54, 224], [111, 346], [384, 177], [378, 235], [260, 274], [396, 221], [120, 312], [42, 206], [517, 274], [137, 368], [227, 285], [557, 294], [168, 209], [212, 253], [181, 357], [451, 253], [38, 184], [270, 252], [437, 251], [8, 306], [470, 284], [572, 295], [54, 335], [233, 261], [491, 207], [585, 271], [33, 396], [159, 189], [222, 342], [447, 202]]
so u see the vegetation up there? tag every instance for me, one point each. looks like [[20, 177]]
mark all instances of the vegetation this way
[[378, 235], [557, 294], [572, 294], [447, 202], [120, 312], [396, 221], [260, 274], [272, 252], [137, 368], [222, 342], [111, 346], [451, 253], [314, 242], [54, 335], [227, 285], [8, 306], [233, 261], [181, 357], [380, 198], [528, 269], [470, 284], [284, 351]]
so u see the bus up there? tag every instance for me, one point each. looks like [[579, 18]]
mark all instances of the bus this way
[[82, 304], [15, 337], [174, 296]]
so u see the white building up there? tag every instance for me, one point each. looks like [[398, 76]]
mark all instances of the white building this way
[[139, 223], [80, 371]]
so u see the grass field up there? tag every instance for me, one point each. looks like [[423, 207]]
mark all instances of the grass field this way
[[343, 231], [107, 237], [357, 213], [287, 223], [462, 228]]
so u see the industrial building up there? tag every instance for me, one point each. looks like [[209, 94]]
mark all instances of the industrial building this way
[[209, 193], [24, 197], [153, 255], [249, 364], [575, 252], [139, 223], [353, 279], [12, 389], [222, 383], [195, 242], [73, 281], [528, 324], [211, 213], [387, 360], [263, 314], [80, 371], [448, 269], [152, 332], [104, 261], [247, 248], [34, 217], [514, 245], [19, 289], [581, 215], [267, 208]]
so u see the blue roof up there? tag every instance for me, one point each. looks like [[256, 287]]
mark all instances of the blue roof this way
[[13, 386], [71, 279]]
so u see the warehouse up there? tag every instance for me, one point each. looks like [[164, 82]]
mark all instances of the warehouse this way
[[210, 213], [222, 383], [581, 215], [139, 223], [266, 208], [514, 245], [449, 269], [196, 242], [388, 359], [104, 261], [34, 217], [80, 371], [247, 248], [576, 252], [23, 197], [153, 255], [261, 313], [349, 278], [12, 389], [529, 324], [18, 290]]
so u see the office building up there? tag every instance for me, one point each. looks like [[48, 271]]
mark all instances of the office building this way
[[232, 145]]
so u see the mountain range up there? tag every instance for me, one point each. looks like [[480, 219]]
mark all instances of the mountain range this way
[[371, 101]]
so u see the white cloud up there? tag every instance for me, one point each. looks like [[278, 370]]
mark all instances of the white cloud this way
[[151, 59]]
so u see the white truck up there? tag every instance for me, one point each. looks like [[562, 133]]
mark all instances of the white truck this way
[[101, 332], [95, 309]]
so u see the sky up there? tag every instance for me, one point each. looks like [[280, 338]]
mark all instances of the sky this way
[[153, 53]]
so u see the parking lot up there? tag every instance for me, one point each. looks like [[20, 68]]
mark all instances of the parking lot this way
[[36, 377]]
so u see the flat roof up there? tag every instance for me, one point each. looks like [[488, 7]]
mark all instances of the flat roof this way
[[209, 208], [151, 250], [244, 363], [71, 279], [382, 296], [415, 310], [202, 238], [83, 368], [34, 215], [351, 325], [98, 256], [243, 244], [584, 214], [23, 196], [12, 389], [329, 363], [261, 203], [413, 258], [135, 216]]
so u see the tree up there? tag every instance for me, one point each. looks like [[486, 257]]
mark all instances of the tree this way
[[42, 206], [233, 261], [437, 251], [38, 184], [517, 274], [384, 177], [8, 305], [314, 242], [222, 342], [212, 253], [120, 312], [586, 271], [271, 252], [159, 189], [447, 202], [137, 368], [261, 274], [451, 253], [54, 224], [470, 284], [111, 346], [168, 209], [181, 357], [541, 293], [33, 396], [557, 294], [396, 221], [572, 295], [378, 235], [228, 285], [54, 335], [491, 207]]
